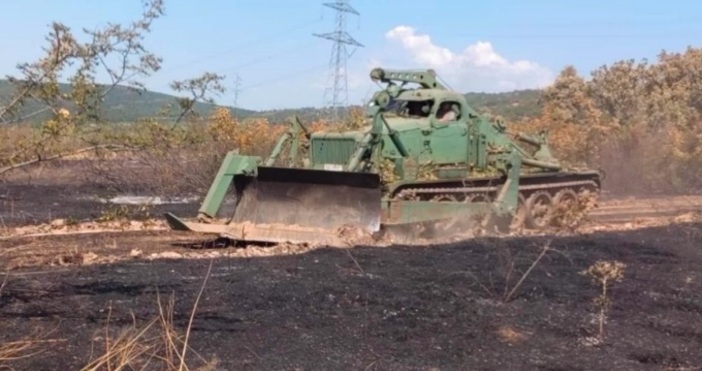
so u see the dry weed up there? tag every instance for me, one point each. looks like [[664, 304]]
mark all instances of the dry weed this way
[[604, 274], [4, 282], [156, 344], [22, 349], [27, 347], [508, 295]]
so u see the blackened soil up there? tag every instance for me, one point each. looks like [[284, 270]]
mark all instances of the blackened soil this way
[[66, 190], [401, 308], [32, 203]]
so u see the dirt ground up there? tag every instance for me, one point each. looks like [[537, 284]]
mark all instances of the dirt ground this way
[[437, 306]]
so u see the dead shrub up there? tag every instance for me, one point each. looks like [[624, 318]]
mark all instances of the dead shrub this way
[[604, 274], [173, 161]]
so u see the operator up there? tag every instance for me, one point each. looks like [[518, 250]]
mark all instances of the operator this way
[[445, 112]]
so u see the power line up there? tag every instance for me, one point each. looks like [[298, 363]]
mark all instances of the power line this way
[[267, 57], [272, 37], [283, 77], [338, 94]]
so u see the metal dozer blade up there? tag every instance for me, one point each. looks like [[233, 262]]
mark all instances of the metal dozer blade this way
[[281, 205]]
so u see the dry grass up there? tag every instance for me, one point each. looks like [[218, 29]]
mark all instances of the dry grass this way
[[4, 282], [27, 347], [146, 155], [156, 344]]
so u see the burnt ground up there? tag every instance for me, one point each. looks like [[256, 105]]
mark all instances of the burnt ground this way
[[433, 307], [34, 201], [393, 308]]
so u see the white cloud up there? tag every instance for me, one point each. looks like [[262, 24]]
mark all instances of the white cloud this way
[[478, 67]]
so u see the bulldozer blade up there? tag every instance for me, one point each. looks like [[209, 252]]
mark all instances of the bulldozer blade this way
[[298, 206], [178, 224], [257, 233], [298, 202]]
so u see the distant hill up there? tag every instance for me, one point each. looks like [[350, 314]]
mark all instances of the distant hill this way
[[125, 105], [510, 105]]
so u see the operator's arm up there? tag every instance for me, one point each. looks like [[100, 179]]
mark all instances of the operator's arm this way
[[448, 116]]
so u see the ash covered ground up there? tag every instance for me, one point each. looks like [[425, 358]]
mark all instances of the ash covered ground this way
[[439, 306]]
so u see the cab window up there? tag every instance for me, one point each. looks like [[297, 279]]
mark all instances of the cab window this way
[[448, 111]]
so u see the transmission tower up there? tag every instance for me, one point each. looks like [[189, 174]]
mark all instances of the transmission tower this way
[[237, 89], [338, 94]]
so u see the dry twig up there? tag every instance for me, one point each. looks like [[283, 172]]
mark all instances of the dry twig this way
[[546, 247]]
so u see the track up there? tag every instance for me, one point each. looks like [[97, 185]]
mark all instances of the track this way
[[541, 195]]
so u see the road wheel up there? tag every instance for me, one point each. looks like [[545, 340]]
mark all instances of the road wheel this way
[[564, 203], [444, 197], [478, 197], [540, 210]]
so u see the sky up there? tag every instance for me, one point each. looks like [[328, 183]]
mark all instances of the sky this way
[[481, 46]]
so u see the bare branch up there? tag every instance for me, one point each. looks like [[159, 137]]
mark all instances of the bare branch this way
[[61, 155], [200, 89]]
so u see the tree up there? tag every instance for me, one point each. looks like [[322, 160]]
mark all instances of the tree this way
[[574, 122], [619, 91], [115, 50], [634, 119]]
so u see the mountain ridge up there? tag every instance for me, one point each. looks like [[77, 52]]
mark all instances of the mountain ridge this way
[[124, 104]]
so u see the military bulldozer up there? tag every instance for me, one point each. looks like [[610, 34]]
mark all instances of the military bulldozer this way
[[423, 157]]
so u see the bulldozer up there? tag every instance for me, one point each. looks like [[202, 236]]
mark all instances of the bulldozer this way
[[423, 156]]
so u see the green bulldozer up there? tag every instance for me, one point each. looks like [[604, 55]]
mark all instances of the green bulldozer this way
[[423, 157]]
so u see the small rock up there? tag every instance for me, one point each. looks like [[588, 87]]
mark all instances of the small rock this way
[[166, 255], [58, 223], [89, 257]]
